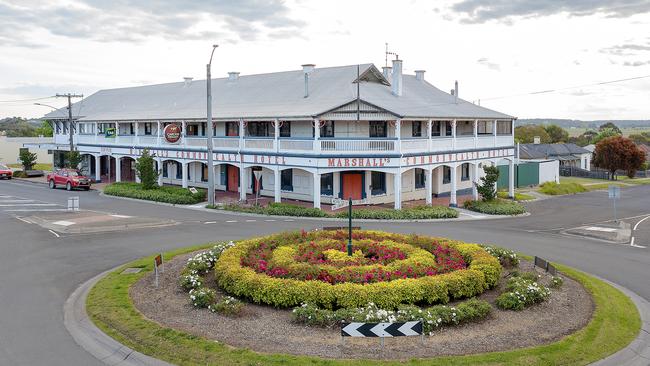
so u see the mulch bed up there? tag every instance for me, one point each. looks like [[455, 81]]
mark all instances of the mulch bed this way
[[270, 330]]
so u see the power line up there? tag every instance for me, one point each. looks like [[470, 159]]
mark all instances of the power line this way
[[26, 100]]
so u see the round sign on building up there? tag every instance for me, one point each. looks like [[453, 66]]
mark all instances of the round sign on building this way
[[172, 133]]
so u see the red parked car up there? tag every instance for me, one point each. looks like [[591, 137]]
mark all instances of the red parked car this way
[[5, 172], [70, 178]]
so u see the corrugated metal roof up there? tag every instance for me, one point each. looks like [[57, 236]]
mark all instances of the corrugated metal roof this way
[[274, 95], [545, 151]]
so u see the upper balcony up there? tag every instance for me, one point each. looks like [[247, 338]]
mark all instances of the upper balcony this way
[[393, 141]]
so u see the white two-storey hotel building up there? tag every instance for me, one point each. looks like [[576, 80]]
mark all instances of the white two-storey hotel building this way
[[316, 134]]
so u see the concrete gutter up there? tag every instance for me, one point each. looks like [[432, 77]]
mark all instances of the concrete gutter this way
[[92, 339], [111, 352]]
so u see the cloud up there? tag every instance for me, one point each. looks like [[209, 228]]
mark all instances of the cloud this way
[[636, 63], [135, 21], [487, 63], [481, 11]]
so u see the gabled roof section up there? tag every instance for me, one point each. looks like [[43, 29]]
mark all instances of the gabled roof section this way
[[348, 111], [372, 75]]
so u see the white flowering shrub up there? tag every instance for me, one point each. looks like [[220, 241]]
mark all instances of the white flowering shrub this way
[[204, 261], [202, 297], [433, 317], [191, 280], [521, 293], [556, 282], [507, 257], [228, 305]]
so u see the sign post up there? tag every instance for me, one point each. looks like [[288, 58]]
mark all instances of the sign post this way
[[614, 194], [73, 203], [258, 176], [158, 262], [350, 226]]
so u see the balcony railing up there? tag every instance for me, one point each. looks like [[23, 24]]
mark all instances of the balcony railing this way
[[299, 144]]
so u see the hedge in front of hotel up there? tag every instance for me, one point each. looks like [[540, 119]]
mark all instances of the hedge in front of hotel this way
[[410, 213], [495, 207], [167, 194], [277, 209]]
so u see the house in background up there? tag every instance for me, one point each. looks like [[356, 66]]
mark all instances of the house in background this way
[[646, 149], [567, 154]]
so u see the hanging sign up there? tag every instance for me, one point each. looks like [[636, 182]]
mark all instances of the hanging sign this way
[[172, 133], [109, 133]]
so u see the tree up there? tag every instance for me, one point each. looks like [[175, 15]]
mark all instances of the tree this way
[[72, 159], [45, 130], [146, 170], [526, 134], [28, 159], [610, 125], [639, 138], [618, 153], [487, 188], [557, 133], [605, 133]]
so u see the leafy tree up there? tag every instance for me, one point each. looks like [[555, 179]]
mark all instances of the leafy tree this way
[[557, 133], [28, 159], [610, 125], [526, 134], [639, 138], [72, 159], [45, 130], [146, 170], [618, 153], [605, 133], [487, 188]]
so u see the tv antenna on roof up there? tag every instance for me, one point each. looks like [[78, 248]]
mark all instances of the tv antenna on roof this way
[[390, 53]]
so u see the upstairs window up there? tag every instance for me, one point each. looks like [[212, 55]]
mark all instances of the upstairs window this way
[[327, 129], [504, 127], [420, 178], [259, 129], [416, 129], [435, 128], [232, 128], [286, 180], [484, 127], [285, 129], [147, 128], [378, 129], [448, 129]]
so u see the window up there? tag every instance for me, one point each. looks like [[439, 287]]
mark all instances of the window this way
[[464, 171], [484, 127], [464, 128], [179, 170], [285, 129], [378, 183], [165, 173], [327, 184], [65, 127], [504, 128], [327, 129], [223, 178], [417, 129], [420, 178], [232, 128], [192, 130], [378, 129], [147, 128], [446, 175], [204, 172], [259, 129], [286, 180], [435, 128]]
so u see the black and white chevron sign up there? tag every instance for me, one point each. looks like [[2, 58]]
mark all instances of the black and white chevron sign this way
[[406, 329]]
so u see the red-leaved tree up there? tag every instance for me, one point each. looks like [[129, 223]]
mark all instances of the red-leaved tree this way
[[618, 153]]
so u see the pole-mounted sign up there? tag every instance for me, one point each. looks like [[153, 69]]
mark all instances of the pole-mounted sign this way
[[158, 262], [614, 193]]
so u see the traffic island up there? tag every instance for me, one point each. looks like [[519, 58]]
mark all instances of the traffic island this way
[[165, 322]]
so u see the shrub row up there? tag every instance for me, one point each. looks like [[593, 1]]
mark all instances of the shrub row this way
[[411, 213], [433, 317], [482, 273], [522, 292], [556, 189], [277, 209], [495, 207], [167, 194]]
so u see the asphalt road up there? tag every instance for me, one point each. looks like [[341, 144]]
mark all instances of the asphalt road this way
[[39, 270]]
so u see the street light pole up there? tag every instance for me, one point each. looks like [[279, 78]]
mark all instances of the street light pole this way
[[209, 126]]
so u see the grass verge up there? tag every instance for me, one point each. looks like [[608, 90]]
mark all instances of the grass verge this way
[[167, 194], [38, 166], [555, 189], [495, 207], [615, 323], [518, 196]]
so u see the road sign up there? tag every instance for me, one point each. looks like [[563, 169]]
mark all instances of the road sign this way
[[406, 329], [158, 262], [614, 192], [340, 203]]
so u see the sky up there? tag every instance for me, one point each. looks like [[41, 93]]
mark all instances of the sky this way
[[501, 51]]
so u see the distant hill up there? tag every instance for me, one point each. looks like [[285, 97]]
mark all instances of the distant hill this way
[[567, 123], [19, 127]]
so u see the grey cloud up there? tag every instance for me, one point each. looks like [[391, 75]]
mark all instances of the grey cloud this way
[[636, 63], [489, 64], [134, 21], [480, 11]]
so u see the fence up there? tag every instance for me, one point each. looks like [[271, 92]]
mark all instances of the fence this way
[[571, 171]]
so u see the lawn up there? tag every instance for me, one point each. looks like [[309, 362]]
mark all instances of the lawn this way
[[37, 166], [518, 196], [555, 189], [614, 325], [167, 194]]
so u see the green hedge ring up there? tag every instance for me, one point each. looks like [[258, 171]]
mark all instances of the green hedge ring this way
[[388, 270]]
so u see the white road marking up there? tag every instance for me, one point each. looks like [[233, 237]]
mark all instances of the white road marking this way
[[231, 221], [21, 219], [55, 234], [27, 204], [16, 201], [640, 221], [270, 220], [210, 222], [636, 246], [598, 228], [63, 223], [122, 216], [251, 220], [289, 220], [36, 210], [473, 216]]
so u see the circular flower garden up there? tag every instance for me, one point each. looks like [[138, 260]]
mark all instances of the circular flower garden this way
[[389, 270]]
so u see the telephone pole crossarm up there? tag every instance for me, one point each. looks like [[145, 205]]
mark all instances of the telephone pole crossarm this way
[[70, 121]]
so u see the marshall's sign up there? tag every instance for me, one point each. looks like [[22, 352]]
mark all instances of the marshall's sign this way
[[357, 162], [172, 133]]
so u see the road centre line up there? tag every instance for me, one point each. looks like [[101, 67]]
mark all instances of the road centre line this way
[[231, 221], [27, 204], [210, 222]]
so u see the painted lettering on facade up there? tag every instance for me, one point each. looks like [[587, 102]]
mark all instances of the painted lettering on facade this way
[[357, 162]]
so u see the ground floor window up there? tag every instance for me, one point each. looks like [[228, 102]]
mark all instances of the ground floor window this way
[[464, 175], [179, 170], [223, 178], [327, 184], [165, 173], [286, 180], [378, 183], [204, 172], [419, 178], [446, 175]]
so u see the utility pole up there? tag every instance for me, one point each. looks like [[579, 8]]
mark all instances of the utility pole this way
[[70, 123], [208, 82]]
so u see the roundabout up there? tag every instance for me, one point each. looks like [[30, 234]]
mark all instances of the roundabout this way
[[166, 324]]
